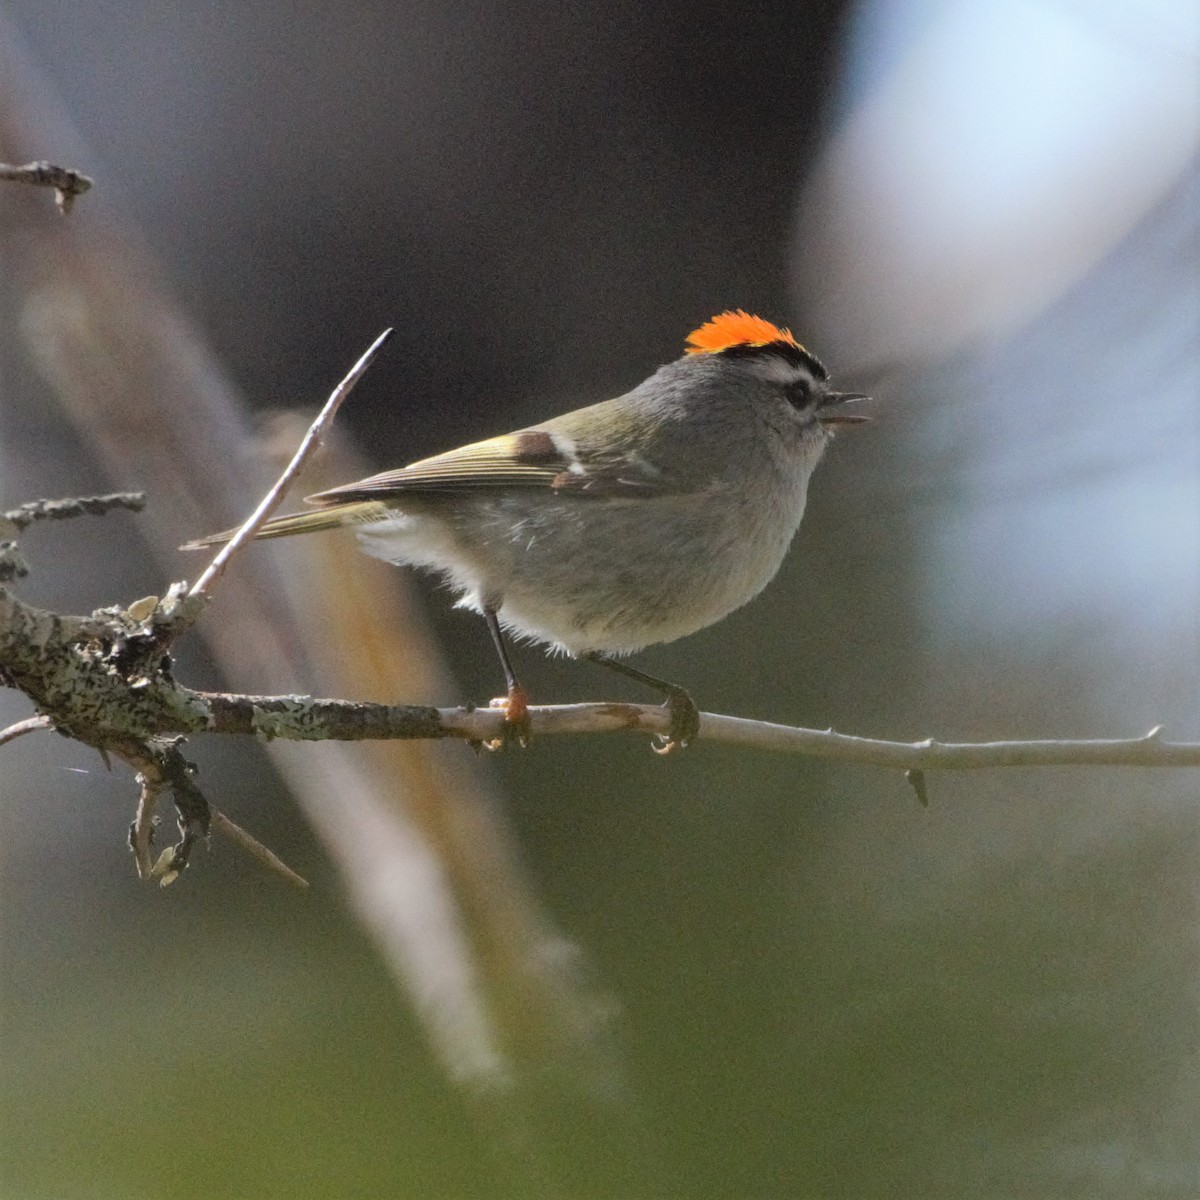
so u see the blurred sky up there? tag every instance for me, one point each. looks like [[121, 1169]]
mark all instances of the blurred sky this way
[[1008, 210]]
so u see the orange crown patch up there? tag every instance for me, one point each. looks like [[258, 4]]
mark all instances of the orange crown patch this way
[[736, 328]]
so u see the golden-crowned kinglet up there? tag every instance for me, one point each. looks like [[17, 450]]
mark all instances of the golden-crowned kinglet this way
[[633, 521]]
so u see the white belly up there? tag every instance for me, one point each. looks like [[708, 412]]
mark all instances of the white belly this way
[[610, 576]]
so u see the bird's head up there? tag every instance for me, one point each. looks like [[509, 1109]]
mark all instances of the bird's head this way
[[772, 355]]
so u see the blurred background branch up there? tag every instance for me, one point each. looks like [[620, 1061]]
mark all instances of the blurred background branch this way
[[117, 368], [67, 184]]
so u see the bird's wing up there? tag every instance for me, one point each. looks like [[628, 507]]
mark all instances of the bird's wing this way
[[531, 458]]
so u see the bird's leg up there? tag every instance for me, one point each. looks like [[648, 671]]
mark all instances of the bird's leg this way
[[685, 716], [517, 726]]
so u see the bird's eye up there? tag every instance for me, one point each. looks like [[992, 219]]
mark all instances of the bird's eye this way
[[800, 393]]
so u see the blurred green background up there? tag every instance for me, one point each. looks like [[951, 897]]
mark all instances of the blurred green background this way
[[985, 214]]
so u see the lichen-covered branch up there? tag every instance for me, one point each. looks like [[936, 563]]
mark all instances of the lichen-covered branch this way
[[12, 563], [105, 679], [77, 506]]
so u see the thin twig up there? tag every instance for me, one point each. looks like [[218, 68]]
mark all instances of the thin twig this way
[[235, 833], [302, 718], [271, 501], [1148, 750], [20, 728], [67, 184]]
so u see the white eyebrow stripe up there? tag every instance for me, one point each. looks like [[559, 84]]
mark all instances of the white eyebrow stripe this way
[[776, 369]]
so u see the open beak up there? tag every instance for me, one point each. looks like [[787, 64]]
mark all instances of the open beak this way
[[835, 400]]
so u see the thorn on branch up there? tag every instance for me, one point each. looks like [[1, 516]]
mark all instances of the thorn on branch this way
[[916, 777]]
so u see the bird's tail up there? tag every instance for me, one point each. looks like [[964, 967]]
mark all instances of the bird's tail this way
[[309, 522]]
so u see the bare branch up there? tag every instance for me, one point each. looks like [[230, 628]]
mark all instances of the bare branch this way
[[301, 718], [20, 728], [271, 501], [67, 184], [930, 755]]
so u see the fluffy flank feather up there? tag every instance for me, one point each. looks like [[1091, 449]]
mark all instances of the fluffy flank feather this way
[[735, 327]]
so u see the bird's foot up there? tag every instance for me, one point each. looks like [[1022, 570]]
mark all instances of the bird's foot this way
[[685, 722], [517, 728]]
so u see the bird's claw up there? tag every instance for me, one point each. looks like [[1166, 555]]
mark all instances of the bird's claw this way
[[685, 723], [517, 728]]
